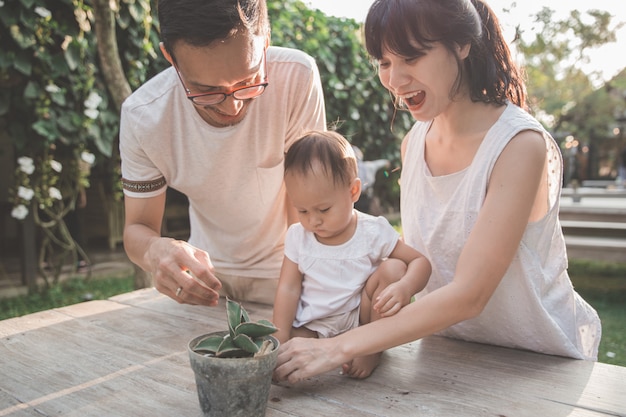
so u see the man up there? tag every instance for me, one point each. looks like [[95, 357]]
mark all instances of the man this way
[[215, 126]]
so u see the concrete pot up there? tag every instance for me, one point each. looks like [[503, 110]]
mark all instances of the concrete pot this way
[[233, 387]]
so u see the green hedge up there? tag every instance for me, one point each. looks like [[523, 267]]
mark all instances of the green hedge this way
[[49, 67]]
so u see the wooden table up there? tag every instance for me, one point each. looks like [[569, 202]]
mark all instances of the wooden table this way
[[127, 357]]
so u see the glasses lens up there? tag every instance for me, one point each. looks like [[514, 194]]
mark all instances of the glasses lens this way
[[243, 94], [249, 92], [209, 99]]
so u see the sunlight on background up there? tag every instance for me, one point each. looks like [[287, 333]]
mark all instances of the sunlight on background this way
[[608, 60]]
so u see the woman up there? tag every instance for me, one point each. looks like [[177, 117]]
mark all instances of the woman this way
[[480, 196]]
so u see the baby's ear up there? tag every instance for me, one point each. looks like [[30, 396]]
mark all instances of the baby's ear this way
[[355, 189]]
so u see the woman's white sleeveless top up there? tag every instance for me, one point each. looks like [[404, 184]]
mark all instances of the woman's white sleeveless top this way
[[535, 306]]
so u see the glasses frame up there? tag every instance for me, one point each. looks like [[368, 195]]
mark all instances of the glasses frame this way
[[233, 93]]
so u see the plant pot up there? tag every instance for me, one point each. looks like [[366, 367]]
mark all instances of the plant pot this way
[[233, 387]]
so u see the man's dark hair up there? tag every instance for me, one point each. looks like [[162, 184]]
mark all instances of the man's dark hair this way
[[202, 22]]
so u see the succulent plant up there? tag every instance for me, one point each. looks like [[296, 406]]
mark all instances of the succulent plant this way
[[243, 339]]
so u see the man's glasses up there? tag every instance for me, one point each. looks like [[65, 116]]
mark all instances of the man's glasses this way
[[242, 93]]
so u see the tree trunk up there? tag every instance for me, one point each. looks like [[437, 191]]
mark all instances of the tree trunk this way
[[110, 61], [116, 81]]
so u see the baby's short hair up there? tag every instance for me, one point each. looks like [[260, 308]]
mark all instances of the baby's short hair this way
[[330, 149]]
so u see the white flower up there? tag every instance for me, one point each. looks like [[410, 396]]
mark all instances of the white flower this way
[[26, 164], [43, 12], [52, 88], [55, 193], [24, 160], [93, 101], [88, 157], [1, 3], [28, 169], [91, 113], [56, 165], [20, 212], [25, 193]]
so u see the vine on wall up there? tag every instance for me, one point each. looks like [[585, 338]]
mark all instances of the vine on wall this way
[[57, 110]]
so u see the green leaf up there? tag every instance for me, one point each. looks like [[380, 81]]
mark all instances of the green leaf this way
[[254, 330], [9, 16], [27, 3], [246, 343], [5, 99], [31, 91], [244, 315], [68, 122], [233, 353], [72, 56], [24, 40], [59, 65], [23, 64], [6, 59], [233, 313], [267, 323], [210, 344], [124, 20], [104, 145], [46, 129], [228, 349], [59, 98]]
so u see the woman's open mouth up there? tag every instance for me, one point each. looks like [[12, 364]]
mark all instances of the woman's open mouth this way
[[414, 99]]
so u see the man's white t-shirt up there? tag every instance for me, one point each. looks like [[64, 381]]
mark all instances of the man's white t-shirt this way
[[232, 176]]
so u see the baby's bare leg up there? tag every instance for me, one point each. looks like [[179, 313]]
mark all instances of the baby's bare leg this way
[[390, 271], [303, 332]]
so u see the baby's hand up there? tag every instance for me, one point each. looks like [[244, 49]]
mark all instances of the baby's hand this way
[[391, 300]]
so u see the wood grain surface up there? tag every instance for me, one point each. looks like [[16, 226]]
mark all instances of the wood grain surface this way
[[127, 357]]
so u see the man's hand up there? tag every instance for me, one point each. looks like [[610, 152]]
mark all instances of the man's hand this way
[[183, 272]]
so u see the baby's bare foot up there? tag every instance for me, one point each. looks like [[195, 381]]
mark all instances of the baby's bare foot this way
[[361, 367]]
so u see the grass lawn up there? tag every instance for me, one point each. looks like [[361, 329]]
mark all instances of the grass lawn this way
[[72, 291], [603, 285]]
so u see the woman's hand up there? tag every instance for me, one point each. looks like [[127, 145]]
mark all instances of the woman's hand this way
[[302, 358]]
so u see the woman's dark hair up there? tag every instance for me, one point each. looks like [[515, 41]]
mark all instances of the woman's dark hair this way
[[404, 25], [333, 152], [202, 22]]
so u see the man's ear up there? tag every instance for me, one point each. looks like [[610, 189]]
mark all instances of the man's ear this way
[[166, 54], [355, 189]]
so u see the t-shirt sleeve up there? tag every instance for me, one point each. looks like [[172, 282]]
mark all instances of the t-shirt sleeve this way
[[387, 236], [292, 242], [140, 177], [308, 110]]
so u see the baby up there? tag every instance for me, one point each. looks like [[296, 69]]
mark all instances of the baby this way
[[342, 268]]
